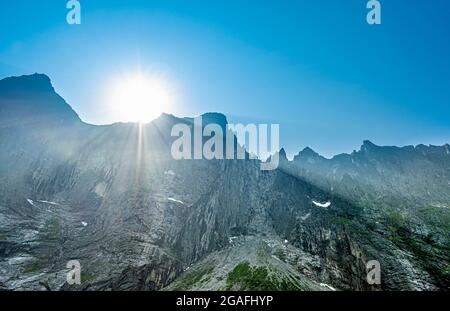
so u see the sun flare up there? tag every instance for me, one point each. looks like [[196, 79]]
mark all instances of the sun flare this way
[[139, 98]]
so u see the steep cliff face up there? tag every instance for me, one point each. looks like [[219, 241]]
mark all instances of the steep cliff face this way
[[113, 198], [403, 196], [320, 235], [272, 216], [109, 196]]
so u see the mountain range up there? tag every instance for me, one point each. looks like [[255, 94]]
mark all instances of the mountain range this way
[[113, 198]]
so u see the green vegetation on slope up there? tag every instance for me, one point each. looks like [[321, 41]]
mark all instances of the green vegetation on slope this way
[[191, 278], [246, 277]]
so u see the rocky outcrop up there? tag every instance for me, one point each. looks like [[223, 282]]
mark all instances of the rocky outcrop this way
[[113, 198]]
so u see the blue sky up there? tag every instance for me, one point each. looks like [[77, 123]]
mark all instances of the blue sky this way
[[315, 67]]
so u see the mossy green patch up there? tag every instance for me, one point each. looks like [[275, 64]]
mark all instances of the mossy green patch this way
[[53, 229], [194, 277], [33, 267], [36, 265], [438, 218], [51, 238], [263, 278], [86, 277]]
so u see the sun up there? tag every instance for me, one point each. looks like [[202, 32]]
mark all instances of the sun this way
[[139, 97]]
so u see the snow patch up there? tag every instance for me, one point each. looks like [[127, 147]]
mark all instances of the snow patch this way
[[305, 217], [325, 205], [169, 172], [48, 202], [276, 257], [231, 239], [84, 224], [175, 200], [100, 189], [327, 286]]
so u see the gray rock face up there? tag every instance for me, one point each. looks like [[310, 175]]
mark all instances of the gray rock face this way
[[403, 200], [113, 198]]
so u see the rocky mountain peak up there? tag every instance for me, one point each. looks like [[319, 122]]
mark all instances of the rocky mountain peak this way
[[33, 96], [27, 83], [307, 154], [282, 154], [211, 118], [367, 145], [215, 117]]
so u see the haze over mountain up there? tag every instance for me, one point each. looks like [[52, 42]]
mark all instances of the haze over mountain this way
[[113, 198]]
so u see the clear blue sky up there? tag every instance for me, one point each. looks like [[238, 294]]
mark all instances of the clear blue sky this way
[[315, 67]]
